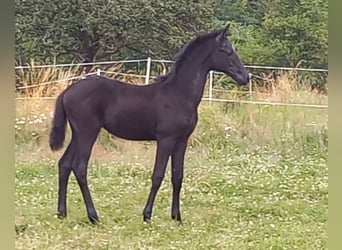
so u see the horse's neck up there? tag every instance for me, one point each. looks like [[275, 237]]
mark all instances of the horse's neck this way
[[190, 82]]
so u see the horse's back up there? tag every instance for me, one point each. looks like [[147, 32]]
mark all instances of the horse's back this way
[[125, 110]]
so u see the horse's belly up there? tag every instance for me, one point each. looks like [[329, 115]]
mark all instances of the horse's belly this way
[[134, 134], [131, 129]]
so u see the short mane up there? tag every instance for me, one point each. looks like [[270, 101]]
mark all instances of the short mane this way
[[184, 52]]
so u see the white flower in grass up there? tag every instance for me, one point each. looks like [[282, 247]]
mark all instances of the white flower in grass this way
[[43, 116], [38, 121], [226, 128]]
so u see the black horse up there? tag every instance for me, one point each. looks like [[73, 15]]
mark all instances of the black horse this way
[[165, 111]]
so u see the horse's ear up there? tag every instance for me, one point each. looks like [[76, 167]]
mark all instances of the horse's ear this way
[[227, 30], [223, 33]]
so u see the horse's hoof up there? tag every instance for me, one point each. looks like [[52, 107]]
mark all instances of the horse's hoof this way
[[61, 215], [177, 218], [178, 221], [147, 220], [94, 220]]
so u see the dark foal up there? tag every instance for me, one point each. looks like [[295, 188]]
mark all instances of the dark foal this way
[[165, 111]]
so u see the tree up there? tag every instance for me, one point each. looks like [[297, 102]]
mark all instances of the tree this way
[[297, 30], [106, 29], [278, 32], [273, 32]]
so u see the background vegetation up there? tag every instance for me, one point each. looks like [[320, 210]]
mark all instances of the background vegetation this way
[[256, 176], [277, 32]]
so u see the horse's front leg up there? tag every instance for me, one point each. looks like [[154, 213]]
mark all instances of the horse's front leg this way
[[177, 163], [164, 149]]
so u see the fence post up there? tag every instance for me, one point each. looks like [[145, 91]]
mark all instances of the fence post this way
[[210, 85], [148, 69], [250, 86]]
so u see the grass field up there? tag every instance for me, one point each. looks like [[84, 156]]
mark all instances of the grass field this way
[[232, 201], [256, 177]]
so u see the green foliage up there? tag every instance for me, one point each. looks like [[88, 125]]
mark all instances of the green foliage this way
[[247, 40], [102, 29], [297, 31], [244, 12], [279, 32]]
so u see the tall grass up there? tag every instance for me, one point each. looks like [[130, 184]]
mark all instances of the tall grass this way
[[285, 89], [220, 125]]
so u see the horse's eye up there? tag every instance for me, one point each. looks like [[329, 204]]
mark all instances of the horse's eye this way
[[229, 51]]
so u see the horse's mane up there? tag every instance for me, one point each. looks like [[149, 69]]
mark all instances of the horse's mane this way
[[182, 55]]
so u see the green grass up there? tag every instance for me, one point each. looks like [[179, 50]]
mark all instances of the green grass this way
[[237, 201], [256, 177]]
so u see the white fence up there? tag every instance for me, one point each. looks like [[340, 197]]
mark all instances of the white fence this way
[[147, 78]]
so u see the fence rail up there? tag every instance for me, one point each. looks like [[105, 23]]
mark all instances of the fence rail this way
[[77, 64], [147, 77], [155, 60]]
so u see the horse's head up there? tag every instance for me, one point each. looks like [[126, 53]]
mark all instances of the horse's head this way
[[224, 58]]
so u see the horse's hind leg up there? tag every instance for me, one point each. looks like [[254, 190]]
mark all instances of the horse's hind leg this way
[[85, 141], [65, 167]]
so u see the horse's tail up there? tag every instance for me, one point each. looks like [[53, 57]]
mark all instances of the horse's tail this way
[[57, 133]]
